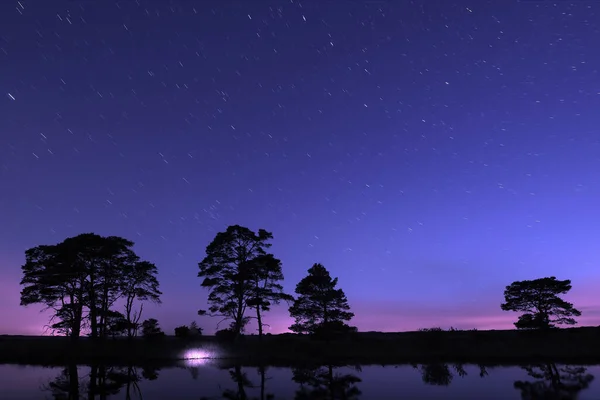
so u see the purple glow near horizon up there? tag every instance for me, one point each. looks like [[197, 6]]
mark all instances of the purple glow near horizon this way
[[427, 153]]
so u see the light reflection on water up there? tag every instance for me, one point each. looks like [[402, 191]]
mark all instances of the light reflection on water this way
[[199, 377], [198, 357]]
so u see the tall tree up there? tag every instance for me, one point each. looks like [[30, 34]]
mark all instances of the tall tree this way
[[539, 300], [80, 279], [52, 276], [227, 273], [139, 282], [320, 307], [266, 274]]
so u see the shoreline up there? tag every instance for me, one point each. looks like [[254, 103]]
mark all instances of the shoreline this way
[[573, 345]]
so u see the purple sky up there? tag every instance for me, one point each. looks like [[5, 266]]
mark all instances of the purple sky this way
[[428, 153]]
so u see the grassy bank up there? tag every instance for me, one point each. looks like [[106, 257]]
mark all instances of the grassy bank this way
[[578, 345]]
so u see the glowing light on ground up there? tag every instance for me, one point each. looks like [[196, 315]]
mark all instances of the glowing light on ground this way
[[197, 357]]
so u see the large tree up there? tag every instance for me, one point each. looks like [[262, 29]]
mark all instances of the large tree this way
[[539, 300], [320, 306], [230, 271], [80, 279], [52, 276]]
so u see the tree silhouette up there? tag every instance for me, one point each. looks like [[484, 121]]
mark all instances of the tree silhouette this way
[[553, 383], [67, 385], [262, 372], [240, 378], [323, 383], [195, 330], [440, 374], [265, 275], [539, 301], [101, 382], [242, 383], [151, 329], [116, 324], [182, 331], [139, 282], [53, 277], [80, 279], [320, 308], [228, 272]]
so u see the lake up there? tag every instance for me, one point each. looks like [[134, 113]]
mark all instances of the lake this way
[[203, 379]]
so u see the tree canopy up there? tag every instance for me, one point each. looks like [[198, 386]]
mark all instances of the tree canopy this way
[[320, 307], [240, 274], [81, 278], [539, 300]]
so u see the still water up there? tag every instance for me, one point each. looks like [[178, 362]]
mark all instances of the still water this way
[[212, 381]]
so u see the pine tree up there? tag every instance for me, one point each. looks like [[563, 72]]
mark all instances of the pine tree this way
[[320, 308]]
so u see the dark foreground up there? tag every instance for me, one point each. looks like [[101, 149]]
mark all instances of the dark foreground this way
[[576, 345], [206, 381]]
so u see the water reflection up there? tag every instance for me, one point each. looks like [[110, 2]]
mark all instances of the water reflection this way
[[554, 383], [442, 374], [242, 383], [101, 382], [326, 383]]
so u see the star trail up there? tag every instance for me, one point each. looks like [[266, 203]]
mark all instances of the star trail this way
[[428, 153]]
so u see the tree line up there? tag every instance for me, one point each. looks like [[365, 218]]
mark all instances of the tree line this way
[[81, 279]]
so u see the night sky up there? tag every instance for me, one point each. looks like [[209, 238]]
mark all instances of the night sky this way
[[428, 153]]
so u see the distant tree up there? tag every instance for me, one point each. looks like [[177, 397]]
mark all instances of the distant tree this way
[[151, 329], [139, 282], [539, 301], [182, 331], [320, 307], [195, 330], [116, 324], [227, 273], [265, 275], [80, 279]]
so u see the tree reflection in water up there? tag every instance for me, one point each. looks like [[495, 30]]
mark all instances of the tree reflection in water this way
[[101, 382], [441, 374], [554, 383], [324, 384], [242, 383]]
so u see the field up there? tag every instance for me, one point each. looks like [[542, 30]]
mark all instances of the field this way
[[576, 345]]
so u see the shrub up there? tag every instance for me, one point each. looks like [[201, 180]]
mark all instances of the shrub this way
[[195, 330], [182, 331], [225, 335], [151, 329]]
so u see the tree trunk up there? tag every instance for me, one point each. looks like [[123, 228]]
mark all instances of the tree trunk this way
[[76, 322], [93, 382], [239, 318], [128, 307], [93, 308], [102, 382], [73, 382], [262, 382], [240, 382], [259, 320], [104, 311], [331, 382]]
